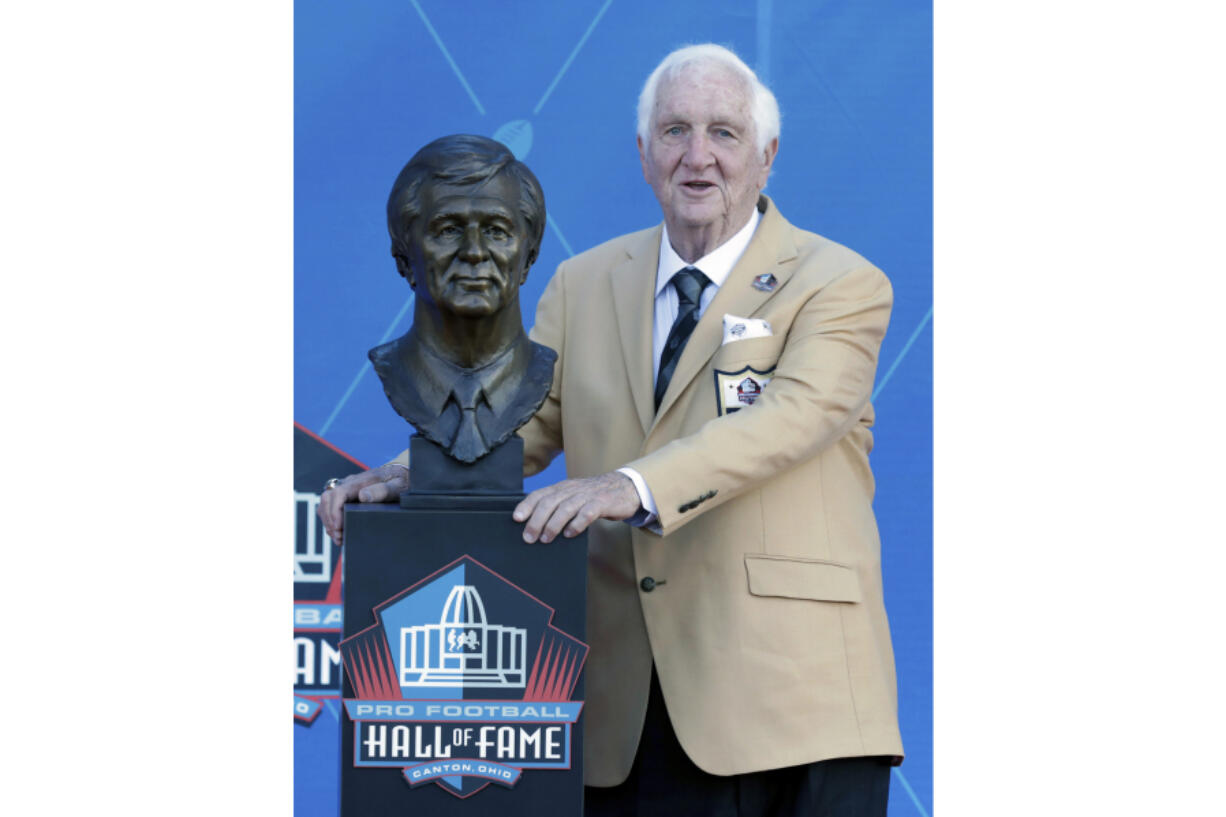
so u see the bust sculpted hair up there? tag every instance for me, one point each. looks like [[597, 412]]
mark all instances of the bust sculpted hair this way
[[763, 105], [462, 159]]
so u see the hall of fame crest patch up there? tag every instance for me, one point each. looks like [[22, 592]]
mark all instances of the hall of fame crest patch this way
[[736, 390]]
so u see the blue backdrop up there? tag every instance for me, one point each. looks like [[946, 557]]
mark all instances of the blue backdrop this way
[[558, 82]]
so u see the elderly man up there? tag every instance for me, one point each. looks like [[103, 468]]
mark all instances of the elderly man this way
[[712, 390]]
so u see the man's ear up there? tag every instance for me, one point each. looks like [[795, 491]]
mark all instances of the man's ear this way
[[403, 267], [638, 140], [768, 159]]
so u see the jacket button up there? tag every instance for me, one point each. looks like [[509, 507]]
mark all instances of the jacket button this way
[[648, 584]]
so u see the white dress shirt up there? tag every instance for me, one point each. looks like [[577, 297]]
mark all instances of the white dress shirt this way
[[717, 266]]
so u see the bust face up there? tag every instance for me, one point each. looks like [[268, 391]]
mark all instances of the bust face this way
[[468, 247]]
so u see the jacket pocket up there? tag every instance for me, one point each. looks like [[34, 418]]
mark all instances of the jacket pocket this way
[[753, 349], [794, 578]]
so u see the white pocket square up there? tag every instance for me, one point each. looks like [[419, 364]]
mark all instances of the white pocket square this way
[[744, 328]]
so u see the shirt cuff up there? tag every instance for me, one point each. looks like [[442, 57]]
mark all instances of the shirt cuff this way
[[646, 516]]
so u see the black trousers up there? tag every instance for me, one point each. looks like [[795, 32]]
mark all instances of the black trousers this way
[[664, 782]]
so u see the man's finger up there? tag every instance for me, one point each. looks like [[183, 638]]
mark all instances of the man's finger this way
[[581, 521], [536, 522], [542, 512], [383, 491], [562, 515], [331, 509], [527, 505]]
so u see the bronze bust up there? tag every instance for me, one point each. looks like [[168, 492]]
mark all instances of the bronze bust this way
[[466, 219]]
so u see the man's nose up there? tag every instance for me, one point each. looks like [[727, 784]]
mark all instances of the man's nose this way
[[698, 150], [473, 249]]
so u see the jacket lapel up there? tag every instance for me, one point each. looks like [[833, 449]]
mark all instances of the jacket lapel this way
[[633, 286], [769, 250]]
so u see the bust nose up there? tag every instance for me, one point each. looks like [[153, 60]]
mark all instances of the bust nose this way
[[473, 249]]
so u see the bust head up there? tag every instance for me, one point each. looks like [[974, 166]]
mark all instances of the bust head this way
[[466, 219]]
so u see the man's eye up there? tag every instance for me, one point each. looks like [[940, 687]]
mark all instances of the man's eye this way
[[724, 133], [448, 231], [675, 130], [497, 233]]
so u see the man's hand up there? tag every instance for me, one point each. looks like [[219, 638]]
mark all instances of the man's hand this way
[[382, 484], [569, 507]]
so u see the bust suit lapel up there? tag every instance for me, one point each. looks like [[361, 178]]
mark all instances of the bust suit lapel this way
[[768, 252], [632, 285]]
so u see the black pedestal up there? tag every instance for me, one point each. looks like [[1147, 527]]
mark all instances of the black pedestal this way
[[460, 639], [496, 477]]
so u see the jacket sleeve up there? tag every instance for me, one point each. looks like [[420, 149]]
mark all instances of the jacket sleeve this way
[[819, 391], [543, 433]]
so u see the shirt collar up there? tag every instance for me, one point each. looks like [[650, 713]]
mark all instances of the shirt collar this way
[[716, 265], [493, 376]]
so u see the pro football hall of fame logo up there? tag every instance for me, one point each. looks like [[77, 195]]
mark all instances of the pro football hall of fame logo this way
[[463, 681]]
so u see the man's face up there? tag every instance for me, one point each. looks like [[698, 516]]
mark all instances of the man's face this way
[[701, 158], [469, 247]]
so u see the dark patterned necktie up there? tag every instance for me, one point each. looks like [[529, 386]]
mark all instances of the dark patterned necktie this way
[[689, 283], [468, 443]]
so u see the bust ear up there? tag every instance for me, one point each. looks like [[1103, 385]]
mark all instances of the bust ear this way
[[528, 262], [403, 267]]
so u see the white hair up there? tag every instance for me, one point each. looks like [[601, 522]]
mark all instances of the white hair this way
[[762, 104]]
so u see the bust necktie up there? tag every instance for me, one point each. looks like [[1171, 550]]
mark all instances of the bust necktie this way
[[689, 283], [468, 444]]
